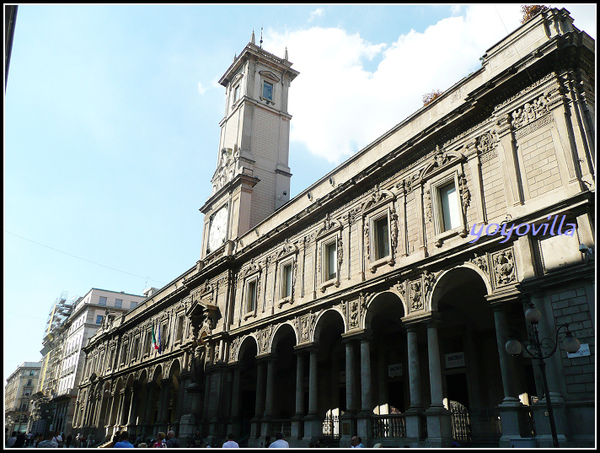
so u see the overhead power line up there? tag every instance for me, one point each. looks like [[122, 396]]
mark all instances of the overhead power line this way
[[83, 259]]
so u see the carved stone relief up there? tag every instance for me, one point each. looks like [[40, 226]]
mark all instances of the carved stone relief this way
[[503, 263]]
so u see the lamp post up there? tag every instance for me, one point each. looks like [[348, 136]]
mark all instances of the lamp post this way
[[541, 350]]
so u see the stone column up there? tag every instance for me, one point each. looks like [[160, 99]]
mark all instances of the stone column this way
[[269, 392], [121, 416], [439, 428], [163, 407], [364, 417], [234, 421], [259, 405], [547, 329], [147, 417], [348, 419], [299, 415], [413, 415], [133, 410], [510, 406], [312, 424]]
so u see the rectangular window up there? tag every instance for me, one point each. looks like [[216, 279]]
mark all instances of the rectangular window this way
[[119, 303], [381, 238], [450, 207], [286, 277], [99, 319], [133, 305], [330, 263], [267, 91], [102, 300], [236, 93], [179, 328], [251, 296]]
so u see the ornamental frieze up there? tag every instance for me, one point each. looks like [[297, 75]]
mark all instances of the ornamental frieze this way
[[304, 326], [263, 338], [530, 112], [503, 264], [481, 261]]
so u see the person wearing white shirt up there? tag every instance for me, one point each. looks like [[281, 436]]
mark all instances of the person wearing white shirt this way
[[355, 442], [280, 442], [230, 442]]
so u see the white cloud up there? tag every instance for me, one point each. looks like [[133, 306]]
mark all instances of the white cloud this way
[[201, 89], [319, 12], [339, 106]]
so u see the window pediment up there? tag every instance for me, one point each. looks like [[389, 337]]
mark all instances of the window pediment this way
[[440, 161], [270, 76], [329, 226]]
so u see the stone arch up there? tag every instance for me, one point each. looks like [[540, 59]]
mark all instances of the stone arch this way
[[174, 367], [324, 315], [453, 278], [157, 374], [247, 342], [394, 305], [280, 331]]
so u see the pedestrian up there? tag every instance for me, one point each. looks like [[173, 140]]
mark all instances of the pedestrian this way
[[48, 442], [69, 439], [197, 440], [124, 441], [356, 442], [11, 440], [230, 442], [20, 442], [280, 442], [142, 445], [267, 441], [160, 441], [172, 440], [30, 437]]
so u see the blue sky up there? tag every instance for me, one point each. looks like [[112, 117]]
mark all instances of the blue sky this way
[[111, 131]]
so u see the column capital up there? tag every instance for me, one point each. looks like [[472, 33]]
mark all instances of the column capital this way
[[307, 347], [505, 297], [433, 320], [265, 358]]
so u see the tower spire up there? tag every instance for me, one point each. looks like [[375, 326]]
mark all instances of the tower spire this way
[[252, 39]]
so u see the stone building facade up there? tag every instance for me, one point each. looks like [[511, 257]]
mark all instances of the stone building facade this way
[[20, 385], [70, 325], [378, 301]]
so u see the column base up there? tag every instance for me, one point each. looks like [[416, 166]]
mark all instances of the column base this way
[[364, 429], [415, 423], [542, 421], [511, 419], [312, 428], [347, 427], [439, 427]]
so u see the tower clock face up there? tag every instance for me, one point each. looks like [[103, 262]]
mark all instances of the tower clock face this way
[[218, 229]]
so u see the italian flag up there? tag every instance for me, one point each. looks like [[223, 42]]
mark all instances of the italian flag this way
[[155, 345]]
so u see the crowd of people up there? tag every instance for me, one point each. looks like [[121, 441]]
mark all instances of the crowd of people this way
[[121, 440]]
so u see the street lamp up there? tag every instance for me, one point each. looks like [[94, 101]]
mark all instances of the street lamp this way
[[541, 350]]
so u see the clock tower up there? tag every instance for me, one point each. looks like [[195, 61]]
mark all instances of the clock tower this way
[[252, 179]]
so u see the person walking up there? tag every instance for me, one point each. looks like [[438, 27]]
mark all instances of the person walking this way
[[11, 440], [356, 442], [160, 441], [230, 442], [172, 440], [48, 442], [280, 442], [124, 441]]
